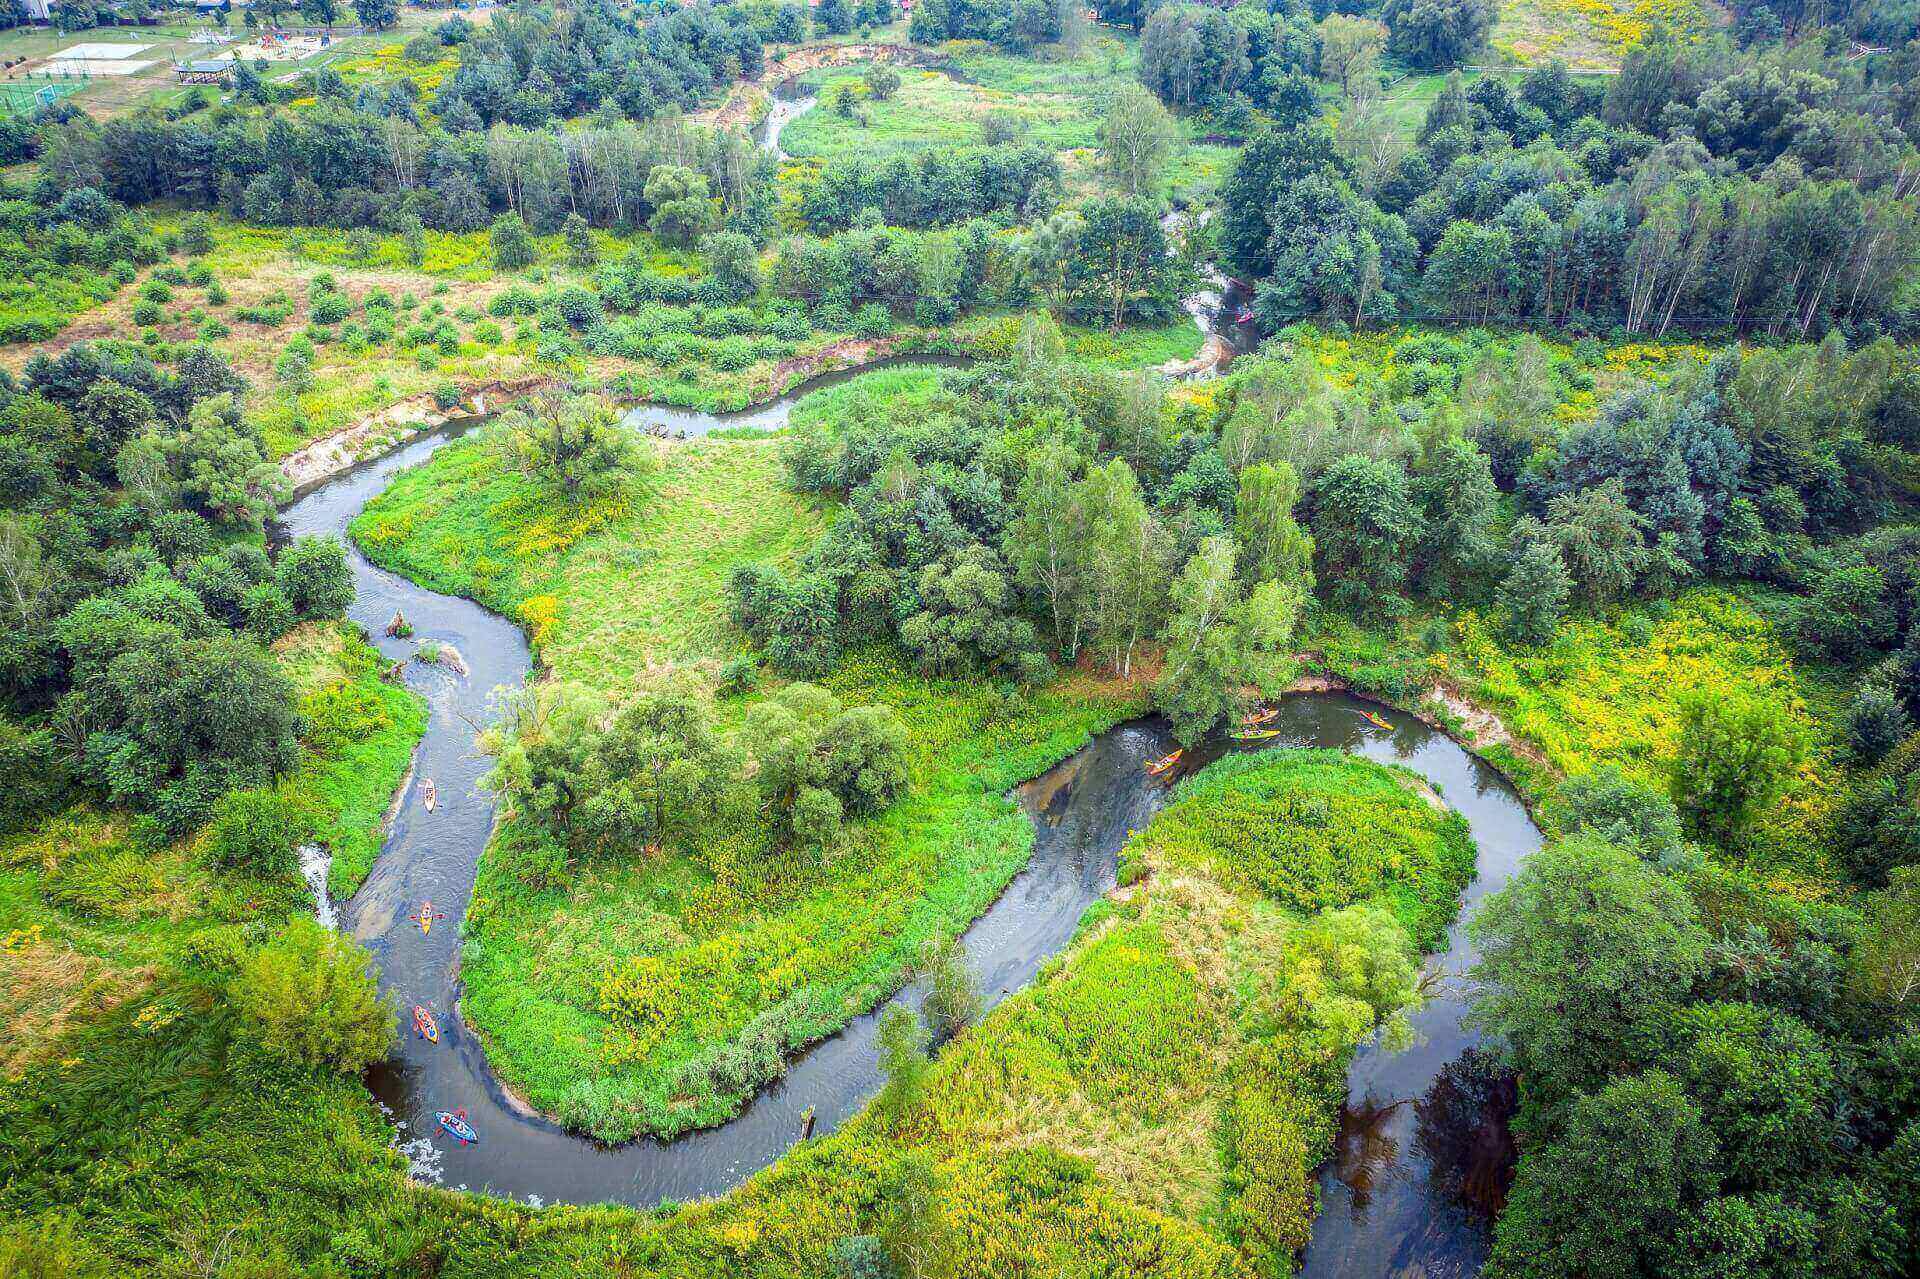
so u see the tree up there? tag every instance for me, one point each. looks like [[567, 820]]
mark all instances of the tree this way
[[1192, 55], [174, 720], [311, 998], [1620, 810], [413, 239], [1600, 537], [1121, 269], [1457, 498], [1344, 976], [1136, 137], [882, 81], [1472, 271], [903, 1061], [378, 14], [969, 622], [1738, 749], [1350, 49], [1887, 959], [733, 263], [1365, 527], [683, 211], [1124, 563], [953, 998], [314, 576], [513, 247], [1219, 641], [835, 17], [1578, 952], [582, 253], [813, 761], [657, 770], [577, 445], [1533, 595], [1765, 1083], [319, 13], [1604, 1196], [1437, 33], [1046, 541], [219, 466], [1272, 545]]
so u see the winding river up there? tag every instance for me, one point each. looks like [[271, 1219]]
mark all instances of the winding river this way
[[1384, 1213], [1420, 1137]]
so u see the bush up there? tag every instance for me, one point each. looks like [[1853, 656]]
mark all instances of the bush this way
[[34, 778], [1875, 724], [259, 833], [331, 308], [446, 395], [311, 998], [873, 321], [147, 313], [315, 578]]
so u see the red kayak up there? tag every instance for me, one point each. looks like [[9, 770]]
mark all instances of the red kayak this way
[[425, 1026]]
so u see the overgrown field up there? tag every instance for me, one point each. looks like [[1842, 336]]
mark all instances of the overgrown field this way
[[1057, 104], [91, 902]]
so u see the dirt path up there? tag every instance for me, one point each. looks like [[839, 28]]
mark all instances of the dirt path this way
[[741, 108]]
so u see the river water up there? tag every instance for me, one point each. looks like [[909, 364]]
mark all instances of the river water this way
[[1421, 1138]]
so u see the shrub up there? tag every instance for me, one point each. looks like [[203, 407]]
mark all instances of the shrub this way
[[146, 313], [513, 247], [34, 777], [873, 321], [331, 308], [312, 1000], [258, 832], [446, 395]]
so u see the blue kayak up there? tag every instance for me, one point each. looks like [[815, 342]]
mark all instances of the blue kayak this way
[[454, 1124]]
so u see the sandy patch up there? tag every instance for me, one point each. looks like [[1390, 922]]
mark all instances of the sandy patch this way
[[99, 49], [94, 67]]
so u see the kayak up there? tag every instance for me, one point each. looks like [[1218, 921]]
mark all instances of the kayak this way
[[1254, 734], [1254, 719], [1375, 720], [1165, 764], [425, 1026], [426, 917], [428, 794], [454, 1124]]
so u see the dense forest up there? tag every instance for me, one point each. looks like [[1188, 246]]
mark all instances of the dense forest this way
[[1365, 510]]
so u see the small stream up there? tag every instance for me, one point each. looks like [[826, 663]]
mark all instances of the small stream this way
[[1415, 1135]]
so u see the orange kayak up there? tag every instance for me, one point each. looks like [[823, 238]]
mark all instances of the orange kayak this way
[[425, 1026], [1375, 720], [1164, 765], [1262, 716]]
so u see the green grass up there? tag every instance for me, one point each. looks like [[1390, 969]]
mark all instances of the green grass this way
[[1134, 347], [1317, 830]]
